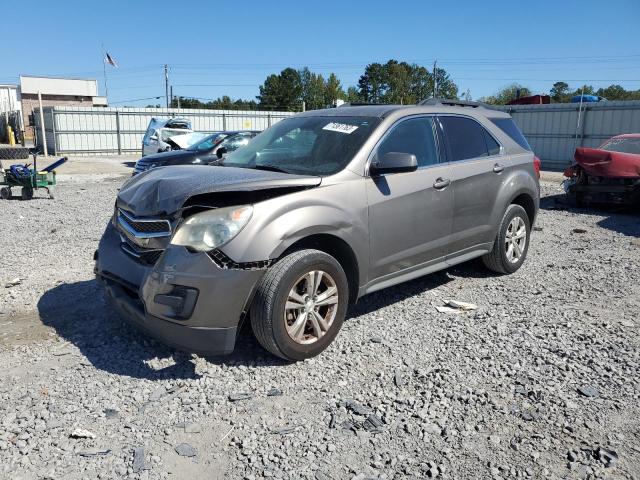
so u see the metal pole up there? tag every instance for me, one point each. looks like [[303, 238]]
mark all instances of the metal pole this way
[[166, 84], [104, 72], [171, 90], [44, 138], [53, 130], [119, 141], [435, 79], [304, 106]]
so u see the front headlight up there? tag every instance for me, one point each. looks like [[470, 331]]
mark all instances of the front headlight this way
[[211, 229]]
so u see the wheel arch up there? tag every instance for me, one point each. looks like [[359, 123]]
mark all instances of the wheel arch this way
[[338, 249], [526, 201]]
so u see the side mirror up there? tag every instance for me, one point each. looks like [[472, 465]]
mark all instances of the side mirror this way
[[393, 162], [221, 151]]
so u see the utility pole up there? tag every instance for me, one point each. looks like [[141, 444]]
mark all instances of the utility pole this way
[[166, 84], [435, 79], [171, 90]]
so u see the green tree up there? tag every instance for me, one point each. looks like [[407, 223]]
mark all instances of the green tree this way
[[333, 90], [372, 83], [560, 92], [617, 92], [353, 95], [313, 89], [400, 82], [282, 92], [506, 94], [445, 87]]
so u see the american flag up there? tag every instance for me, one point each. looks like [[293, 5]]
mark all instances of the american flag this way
[[109, 59]]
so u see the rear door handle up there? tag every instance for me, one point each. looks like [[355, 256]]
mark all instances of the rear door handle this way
[[441, 183], [497, 168]]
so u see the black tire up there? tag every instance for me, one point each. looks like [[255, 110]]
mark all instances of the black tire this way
[[27, 193], [5, 193], [497, 260], [268, 307], [14, 153]]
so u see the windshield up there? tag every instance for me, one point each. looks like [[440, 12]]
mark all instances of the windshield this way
[[624, 145], [207, 143], [306, 145], [167, 133]]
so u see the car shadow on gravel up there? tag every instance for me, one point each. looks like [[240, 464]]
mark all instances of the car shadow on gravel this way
[[80, 315], [621, 219]]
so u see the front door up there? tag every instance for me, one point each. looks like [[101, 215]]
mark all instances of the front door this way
[[409, 213]]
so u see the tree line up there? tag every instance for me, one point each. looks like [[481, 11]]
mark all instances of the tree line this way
[[392, 82], [560, 92]]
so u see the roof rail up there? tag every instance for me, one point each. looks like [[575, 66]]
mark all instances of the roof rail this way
[[452, 103], [360, 104]]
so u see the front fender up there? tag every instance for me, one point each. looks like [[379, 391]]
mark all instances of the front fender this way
[[339, 209]]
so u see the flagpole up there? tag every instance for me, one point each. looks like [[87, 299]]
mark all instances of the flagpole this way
[[104, 72]]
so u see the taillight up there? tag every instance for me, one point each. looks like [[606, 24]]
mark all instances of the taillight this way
[[536, 165]]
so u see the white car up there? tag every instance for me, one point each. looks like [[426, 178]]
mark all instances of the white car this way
[[160, 130]]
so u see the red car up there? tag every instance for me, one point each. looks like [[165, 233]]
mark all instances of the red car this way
[[607, 174]]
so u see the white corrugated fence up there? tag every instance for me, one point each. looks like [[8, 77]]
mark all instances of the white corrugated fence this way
[[555, 130], [99, 131]]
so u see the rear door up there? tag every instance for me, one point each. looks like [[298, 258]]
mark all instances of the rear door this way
[[409, 213], [477, 172]]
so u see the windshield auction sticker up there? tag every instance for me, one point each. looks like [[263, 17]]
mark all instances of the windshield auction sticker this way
[[340, 127]]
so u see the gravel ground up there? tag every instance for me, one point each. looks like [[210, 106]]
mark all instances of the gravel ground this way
[[542, 381]]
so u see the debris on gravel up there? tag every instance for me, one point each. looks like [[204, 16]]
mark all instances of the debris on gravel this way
[[82, 433], [185, 450], [542, 380]]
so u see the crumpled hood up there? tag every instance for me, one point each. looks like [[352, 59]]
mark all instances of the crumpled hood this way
[[164, 190], [606, 163]]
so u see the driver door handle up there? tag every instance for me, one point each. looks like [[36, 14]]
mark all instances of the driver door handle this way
[[497, 168], [441, 183]]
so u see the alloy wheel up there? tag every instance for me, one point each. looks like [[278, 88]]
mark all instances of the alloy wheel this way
[[515, 239], [311, 307]]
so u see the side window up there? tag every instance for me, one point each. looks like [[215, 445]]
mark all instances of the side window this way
[[465, 138], [492, 145], [413, 136], [236, 142]]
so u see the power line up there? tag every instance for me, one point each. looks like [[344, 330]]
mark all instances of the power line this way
[[138, 99]]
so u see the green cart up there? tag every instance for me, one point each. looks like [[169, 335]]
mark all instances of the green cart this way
[[28, 179]]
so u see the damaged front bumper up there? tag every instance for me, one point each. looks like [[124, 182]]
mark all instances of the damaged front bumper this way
[[186, 300], [583, 189]]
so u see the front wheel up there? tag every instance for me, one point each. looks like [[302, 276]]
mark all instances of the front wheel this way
[[512, 242], [300, 305]]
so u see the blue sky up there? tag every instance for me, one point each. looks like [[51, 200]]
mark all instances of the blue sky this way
[[224, 47]]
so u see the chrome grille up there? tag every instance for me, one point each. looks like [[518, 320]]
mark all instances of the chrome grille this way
[[143, 228], [147, 257]]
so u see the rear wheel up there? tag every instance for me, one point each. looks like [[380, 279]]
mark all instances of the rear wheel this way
[[512, 242], [300, 305], [5, 193], [27, 193]]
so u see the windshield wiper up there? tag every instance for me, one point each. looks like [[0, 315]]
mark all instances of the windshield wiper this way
[[270, 168]]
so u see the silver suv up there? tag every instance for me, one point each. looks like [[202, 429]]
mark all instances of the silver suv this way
[[317, 211]]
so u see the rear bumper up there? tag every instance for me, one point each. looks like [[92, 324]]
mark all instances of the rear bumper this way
[[185, 300]]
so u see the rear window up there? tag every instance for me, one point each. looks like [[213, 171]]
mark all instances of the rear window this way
[[465, 137], [508, 126], [623, 145]]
